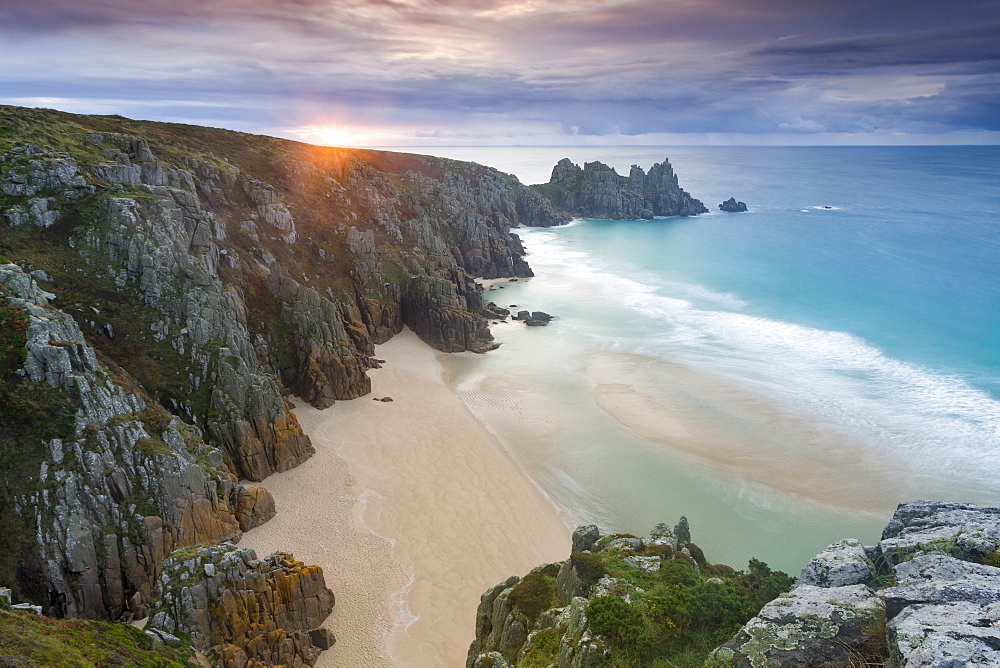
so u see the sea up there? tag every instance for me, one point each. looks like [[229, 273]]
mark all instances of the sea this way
[[782, 377]]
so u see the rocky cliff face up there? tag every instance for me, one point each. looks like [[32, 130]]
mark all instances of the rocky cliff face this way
[[100, 483], [598, 191]]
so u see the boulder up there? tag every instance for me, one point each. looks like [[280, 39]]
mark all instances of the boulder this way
[[808, 626], [841, 564], [585, 536], [963, 530], [943, 612]]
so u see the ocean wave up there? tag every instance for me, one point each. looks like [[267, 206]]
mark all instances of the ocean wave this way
[[899, 407]]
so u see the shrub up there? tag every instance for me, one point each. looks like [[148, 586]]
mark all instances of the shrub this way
[[589, 567], [621, 623], [761, 584], [533, 595], [678, 572]]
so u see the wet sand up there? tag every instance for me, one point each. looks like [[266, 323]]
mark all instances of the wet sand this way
[[731, 429]]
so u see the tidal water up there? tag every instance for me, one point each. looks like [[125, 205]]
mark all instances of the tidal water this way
[[782, 377]]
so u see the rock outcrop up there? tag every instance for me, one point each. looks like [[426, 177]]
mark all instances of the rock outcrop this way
[[598, 191], [241, 610], [597, 607], [943, 610], [732, 206]]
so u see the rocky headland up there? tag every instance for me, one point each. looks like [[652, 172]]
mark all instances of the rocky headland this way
[[598, 191]]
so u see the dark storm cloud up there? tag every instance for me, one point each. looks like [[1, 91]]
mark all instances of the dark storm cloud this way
[[626, 67], [966, 48]]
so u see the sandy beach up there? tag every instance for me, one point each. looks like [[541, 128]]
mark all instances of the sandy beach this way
[[413, 510]]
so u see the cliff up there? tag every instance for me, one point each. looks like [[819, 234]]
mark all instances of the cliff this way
[[163, 288], [928, 594], [598, 191]]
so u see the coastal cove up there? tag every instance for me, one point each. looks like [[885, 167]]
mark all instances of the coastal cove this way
[[783, 377], [239, 369]]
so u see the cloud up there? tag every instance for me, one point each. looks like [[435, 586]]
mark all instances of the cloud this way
[[466, 68]]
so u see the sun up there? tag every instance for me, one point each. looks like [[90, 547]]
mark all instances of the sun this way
[[334, 135]]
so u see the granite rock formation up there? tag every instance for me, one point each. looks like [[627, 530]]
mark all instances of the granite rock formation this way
[[108, 482], [942, 610], [241, 610], [598, 191]]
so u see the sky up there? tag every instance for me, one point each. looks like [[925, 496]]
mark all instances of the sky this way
[[520, 72]]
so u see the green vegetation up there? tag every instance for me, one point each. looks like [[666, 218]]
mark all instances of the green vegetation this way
[[536, 593], [991, 559], [31, 640], [544, 650], [589, 567], [681, 614]]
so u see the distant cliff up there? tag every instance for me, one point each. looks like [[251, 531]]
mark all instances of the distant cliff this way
[[598, 191]]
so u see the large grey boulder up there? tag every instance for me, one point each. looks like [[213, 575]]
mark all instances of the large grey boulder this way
[[953, 634], [808, 626], [841, 564], [585, 536]]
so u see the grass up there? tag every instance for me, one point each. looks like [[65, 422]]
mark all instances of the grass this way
[[32, 640]]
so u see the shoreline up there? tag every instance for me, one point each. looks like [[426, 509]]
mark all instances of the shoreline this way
[[413, 509]]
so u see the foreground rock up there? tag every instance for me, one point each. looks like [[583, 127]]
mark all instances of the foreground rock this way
[[944, 609], [242, 610], [732, 206], [594, 609], [809, 626]]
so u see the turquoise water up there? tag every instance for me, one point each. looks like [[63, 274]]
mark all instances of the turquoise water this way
[[782, 377]]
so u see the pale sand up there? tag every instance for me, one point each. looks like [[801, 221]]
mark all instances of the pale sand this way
[[708, 419], [423, 473]]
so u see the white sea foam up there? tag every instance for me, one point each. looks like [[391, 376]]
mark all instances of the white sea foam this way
[[936, 420]]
